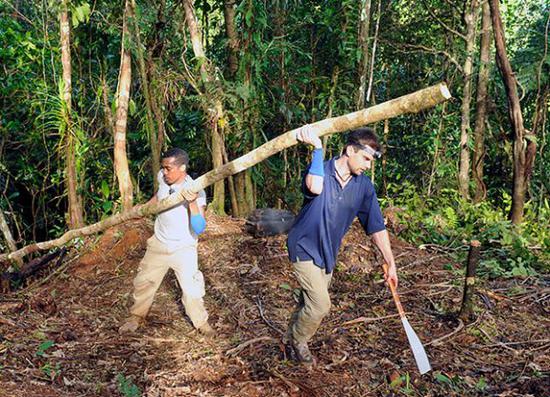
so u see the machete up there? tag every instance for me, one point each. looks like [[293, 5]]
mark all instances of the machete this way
[[416, 346]]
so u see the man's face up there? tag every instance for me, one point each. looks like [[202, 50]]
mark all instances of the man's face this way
[[171, 172], [358, 160]]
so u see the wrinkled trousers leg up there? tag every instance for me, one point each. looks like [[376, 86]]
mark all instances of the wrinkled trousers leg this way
[[185, 264], [151, 271], [315, 304]]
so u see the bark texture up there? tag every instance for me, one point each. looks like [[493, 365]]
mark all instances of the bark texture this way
[[481, 104], [122, 169], [466, 310], [75, 215], [215, 107], [411, 103], [146, 88], [524, 150], [470, 18], [364, 28]]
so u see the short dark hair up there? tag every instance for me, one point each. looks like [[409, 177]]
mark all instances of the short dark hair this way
[[180, 156], [362, 136]]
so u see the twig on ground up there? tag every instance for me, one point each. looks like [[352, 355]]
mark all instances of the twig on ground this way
[[368, 319], [236, 350], [261, 310], [454, 332]]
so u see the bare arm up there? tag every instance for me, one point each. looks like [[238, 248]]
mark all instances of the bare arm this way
[[382, 240], [314, 183]]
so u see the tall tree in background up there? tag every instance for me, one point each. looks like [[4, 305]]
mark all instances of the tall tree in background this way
[[213, 105], [146, 89], [232, 40], [481, 103], [524, 149], [364, 27], [470, 18], [75, 216], [122, 169]]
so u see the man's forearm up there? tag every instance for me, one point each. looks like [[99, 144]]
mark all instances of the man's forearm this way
[[382, 240]]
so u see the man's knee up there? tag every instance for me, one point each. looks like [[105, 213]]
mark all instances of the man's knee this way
[[319, 309]]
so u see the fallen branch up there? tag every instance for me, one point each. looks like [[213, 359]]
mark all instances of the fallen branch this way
[[435, 342], [368, 319], [242, 346], [411, 103]]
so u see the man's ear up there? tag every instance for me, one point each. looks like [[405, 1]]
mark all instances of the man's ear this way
[[183, 167]]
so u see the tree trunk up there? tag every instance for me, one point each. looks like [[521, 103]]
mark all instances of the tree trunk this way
[[481, 104], [122, 169], [385, 158], [107, 113], [218, 200], [75, 216], [411, 103], [364, 45], [470, 18], [10, 242], [466, 309], [233, 41], [149, 119], [521, 163], [373, 55]]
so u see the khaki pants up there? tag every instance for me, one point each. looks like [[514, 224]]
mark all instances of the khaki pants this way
[[314, 302], [154, 265]]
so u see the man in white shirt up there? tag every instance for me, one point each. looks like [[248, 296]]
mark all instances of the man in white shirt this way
[[173, 246]]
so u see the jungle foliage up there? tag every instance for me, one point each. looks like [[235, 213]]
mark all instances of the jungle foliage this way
[[298, 62]]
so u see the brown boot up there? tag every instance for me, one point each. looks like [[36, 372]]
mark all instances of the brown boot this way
[[303, 355], [206, 330], [131, 325]]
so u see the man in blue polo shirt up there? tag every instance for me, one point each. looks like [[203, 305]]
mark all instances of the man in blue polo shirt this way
[[335, 192]]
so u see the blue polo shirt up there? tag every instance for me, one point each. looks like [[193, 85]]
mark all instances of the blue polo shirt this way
[[324, 219]]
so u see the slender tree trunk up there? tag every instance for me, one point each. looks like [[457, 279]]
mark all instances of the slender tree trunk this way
[[411, 103], [385, 158], [10, 242], [436, 150], [373, 55], [470, 18], [146, 88], [233, 41], [521, 146], [364, 28], [75, 216], [481, 104], [122, 169], [107, 113], [218, 201]]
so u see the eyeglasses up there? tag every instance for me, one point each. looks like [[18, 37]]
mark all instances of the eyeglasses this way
[[374, 153]]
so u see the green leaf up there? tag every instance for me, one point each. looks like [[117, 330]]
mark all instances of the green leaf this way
[[105, 189], [285, 286], [44, 346]]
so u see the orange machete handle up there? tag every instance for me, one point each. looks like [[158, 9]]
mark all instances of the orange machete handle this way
[[394, 293]]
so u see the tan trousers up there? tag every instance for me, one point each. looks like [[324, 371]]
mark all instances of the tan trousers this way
[[314, 303], [154, 265]]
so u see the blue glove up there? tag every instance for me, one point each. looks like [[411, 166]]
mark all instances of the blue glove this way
[[198, 223], [317, 167]]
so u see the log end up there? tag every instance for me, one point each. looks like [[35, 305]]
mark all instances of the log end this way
[[444, 91]]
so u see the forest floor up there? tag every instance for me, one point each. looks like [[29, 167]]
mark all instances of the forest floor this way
[[59, 332]]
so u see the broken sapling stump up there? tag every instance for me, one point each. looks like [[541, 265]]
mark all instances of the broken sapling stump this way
[[466, 310]]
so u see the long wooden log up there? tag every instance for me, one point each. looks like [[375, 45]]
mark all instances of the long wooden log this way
[[411, 103]]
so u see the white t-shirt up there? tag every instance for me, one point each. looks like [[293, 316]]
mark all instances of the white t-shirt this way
[[172, 226]]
